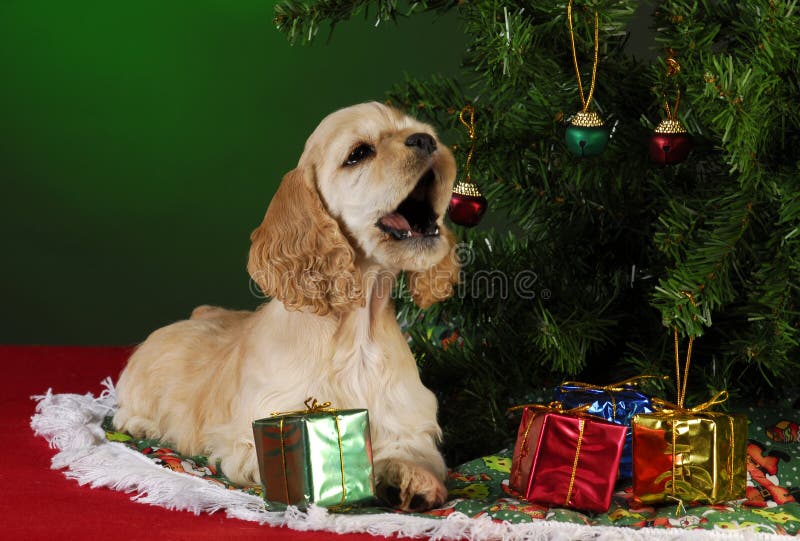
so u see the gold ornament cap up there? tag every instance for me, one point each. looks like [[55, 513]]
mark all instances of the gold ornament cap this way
[[670, 126], [467, 188], [588, 119]]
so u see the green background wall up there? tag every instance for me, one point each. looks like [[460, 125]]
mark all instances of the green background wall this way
[[140, 143]]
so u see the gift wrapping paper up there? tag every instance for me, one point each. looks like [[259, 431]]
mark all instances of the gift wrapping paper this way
[[322, 457], [689, 457], [616, 406], [566, 460]]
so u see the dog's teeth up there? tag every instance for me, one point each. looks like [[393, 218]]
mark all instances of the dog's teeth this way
[[436, 231], [409, 234]]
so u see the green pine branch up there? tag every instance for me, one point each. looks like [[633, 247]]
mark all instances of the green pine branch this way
[[301, 21], [704, 279]]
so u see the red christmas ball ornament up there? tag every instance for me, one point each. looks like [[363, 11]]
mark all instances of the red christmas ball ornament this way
[[467, 204], [670, 143]]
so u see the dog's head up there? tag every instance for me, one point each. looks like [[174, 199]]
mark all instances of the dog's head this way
[[371, 186]]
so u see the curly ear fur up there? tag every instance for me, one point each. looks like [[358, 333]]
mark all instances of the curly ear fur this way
[[300, 256], [436, 283]]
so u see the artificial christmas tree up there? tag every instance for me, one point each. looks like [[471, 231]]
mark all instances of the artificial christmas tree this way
[[590, 260]]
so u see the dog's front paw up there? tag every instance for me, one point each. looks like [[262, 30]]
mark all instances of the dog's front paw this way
[[409, 487], [239, 463]]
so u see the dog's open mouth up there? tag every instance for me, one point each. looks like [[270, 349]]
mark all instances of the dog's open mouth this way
[[414, 217]]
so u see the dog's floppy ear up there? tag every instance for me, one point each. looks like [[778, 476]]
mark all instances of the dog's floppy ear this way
[[436, 283], [300, 256]]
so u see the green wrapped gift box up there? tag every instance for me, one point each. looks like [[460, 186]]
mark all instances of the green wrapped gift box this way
[[320, 455]]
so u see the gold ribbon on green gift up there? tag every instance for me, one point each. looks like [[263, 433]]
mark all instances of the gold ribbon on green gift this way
[[312, 406], [557, 407], [612, 388]]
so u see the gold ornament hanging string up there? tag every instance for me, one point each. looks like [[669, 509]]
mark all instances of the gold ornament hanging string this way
[[671, 124], [680, 383], [470, 110], [466, 186], [673, 113], [585, 101], [673, 69]]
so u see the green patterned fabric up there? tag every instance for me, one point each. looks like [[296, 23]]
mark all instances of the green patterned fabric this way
[[480, 487]]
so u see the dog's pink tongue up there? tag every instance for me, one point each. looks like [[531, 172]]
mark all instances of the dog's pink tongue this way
[[396, 221]]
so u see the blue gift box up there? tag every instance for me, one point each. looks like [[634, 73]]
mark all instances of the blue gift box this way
[[617, 403]]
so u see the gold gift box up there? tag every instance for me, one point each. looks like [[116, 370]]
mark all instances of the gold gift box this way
[[689, 457]]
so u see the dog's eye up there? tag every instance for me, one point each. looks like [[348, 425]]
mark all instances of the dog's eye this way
[[359, 153]]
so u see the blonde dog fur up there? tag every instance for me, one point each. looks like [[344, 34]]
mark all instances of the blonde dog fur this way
[[331, 330]]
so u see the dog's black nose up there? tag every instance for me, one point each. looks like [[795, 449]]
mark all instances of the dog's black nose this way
[[422, 141]]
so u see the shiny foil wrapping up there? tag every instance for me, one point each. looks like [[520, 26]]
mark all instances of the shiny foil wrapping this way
[[615, 406], [566, 461], [323, 458], [689, 457]]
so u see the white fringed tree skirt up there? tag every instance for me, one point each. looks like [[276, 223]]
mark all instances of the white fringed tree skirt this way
[[71, 424]]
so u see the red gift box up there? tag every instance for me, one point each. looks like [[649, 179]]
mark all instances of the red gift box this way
[[566, 460]]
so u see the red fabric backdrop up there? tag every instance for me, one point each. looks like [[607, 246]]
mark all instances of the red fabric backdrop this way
[[39, 503]]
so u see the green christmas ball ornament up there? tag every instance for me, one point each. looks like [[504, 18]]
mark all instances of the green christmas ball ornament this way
[[587, 134]]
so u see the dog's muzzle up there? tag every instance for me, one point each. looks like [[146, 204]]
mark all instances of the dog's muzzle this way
[[414, 216]]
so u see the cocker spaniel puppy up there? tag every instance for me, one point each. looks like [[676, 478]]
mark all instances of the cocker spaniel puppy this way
[[365, 203]]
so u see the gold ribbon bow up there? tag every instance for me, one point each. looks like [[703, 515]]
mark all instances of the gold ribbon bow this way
[[670, 408], [613, 387], [553, 407], [312, 406]]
